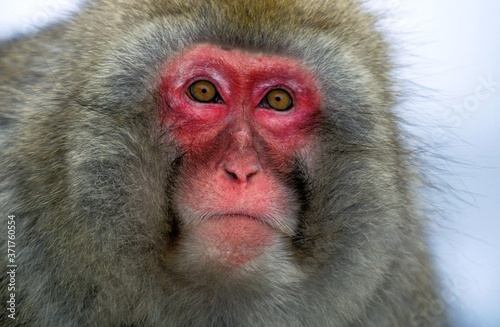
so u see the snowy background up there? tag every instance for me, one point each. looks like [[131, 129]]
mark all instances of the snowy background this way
[[450, 51]]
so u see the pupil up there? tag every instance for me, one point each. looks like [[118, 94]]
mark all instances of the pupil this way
[[278, 99], [204, 91]]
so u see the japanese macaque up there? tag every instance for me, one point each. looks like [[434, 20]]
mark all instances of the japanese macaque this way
[[209, 163]]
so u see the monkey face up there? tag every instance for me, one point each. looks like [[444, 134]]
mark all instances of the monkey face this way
[[239, 131]]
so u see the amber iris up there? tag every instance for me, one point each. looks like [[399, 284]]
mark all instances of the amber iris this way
[[203, 91], [279, 99]]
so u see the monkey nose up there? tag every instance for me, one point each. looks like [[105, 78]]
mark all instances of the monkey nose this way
[[241, 169]]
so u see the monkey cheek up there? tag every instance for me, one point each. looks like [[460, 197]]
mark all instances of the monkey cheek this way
[[232, 240]]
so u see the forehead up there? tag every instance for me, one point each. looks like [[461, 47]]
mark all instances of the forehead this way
[[206, 56]]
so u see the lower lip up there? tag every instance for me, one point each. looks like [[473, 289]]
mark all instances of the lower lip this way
[[234, 239]]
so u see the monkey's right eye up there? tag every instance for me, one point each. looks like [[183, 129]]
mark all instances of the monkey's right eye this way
[[203, 91]]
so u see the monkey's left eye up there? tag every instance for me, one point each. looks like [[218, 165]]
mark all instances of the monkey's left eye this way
[[203, 91], [277, 99]]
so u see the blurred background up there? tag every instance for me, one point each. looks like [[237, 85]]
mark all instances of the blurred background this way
[[448, 55]]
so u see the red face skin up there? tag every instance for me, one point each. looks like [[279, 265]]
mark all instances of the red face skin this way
[[229, 199]]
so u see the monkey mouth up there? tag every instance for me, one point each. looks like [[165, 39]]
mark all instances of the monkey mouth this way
[[234, 239], [274, 221], [243, 216]]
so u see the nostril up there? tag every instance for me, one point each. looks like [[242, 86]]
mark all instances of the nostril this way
[[232, 175], [251, 174]]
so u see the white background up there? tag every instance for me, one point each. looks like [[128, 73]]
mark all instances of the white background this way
[[450, 51]]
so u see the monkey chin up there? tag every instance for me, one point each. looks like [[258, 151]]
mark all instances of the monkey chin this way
[[233, 240], [232, 254]]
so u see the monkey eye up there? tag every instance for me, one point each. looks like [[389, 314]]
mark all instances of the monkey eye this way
[[204, 91], [277, 99]]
